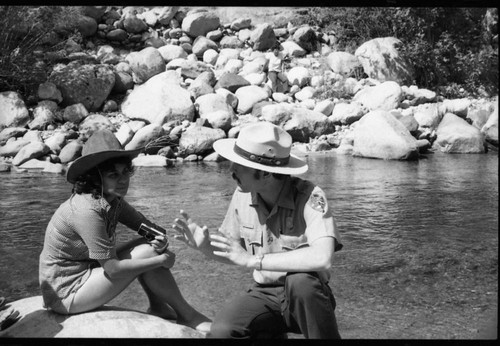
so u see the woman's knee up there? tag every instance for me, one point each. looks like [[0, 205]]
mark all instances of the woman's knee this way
[[137, 252]]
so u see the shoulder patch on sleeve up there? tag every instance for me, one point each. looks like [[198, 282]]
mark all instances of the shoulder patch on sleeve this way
[[317, 201]]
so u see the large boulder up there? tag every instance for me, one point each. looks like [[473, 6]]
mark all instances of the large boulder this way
[[95, 12], [343, 63], [145, 64], [95, 122], [200, 23], [292, 49], [56, 142], [381, 60], [305, 124], [86, 26], [230, 98], [263, 37], [170, 52], [150, 161], [380, 135], [86, 84], [455, 135], [105, 322], [240, 23], [166, 14], [231, 82], [10, 132], [145, 136], [257, 65], [458, 107], [30, 151], [216, 110], [42, 117], [188, 68], [199, 87], [123, 82], [198, 140], [298, 75], [325, 107], [277, 113], [347, 113], [231, 42], [12, 147], [306, 38], [13, 111], [134, 25], [71, 151], [490, 129], [75, 113], [428, 115], [385, 96], [159, 100], [479, 112], [248, 96], [48, 91], [201, 44], [417, 96]]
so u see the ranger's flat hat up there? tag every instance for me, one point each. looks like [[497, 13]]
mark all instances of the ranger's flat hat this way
[[262, 146]]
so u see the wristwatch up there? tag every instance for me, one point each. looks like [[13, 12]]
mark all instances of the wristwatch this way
[[260, 257]]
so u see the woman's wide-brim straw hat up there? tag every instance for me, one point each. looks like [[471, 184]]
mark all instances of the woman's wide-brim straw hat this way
[[101, 146], [262, 146]]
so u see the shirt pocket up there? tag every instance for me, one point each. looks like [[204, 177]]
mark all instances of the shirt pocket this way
[[251, 235], [289, 242]]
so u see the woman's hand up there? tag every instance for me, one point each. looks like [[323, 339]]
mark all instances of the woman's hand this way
[[168, 259], [231, 249], [190, 233], [160, 243]]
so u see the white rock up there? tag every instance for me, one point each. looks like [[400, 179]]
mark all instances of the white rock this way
[[106, 322]]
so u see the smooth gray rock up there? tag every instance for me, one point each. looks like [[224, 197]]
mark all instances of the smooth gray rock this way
[[106, 322]]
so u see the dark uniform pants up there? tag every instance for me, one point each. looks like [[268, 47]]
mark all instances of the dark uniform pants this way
[[304, 305]]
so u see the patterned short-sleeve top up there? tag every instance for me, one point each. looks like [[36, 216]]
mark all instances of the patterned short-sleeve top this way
[[81, 232]]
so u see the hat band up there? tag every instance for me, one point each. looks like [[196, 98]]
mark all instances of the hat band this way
[[268, 161]]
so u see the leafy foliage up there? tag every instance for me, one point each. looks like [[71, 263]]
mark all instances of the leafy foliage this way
[[448, 47], [26, 32]]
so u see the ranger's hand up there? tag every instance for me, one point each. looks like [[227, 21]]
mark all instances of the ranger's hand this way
[[190, 233], [230, 249]]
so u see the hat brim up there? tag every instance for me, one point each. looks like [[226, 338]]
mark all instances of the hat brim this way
[[225, 148], [84, 163]]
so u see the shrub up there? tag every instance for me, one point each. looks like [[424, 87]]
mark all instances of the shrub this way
[[446, 46], [25, 34]]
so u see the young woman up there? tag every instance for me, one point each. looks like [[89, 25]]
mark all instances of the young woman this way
[[81, 267]]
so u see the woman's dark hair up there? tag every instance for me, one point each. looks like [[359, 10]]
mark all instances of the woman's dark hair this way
[[90, 181]]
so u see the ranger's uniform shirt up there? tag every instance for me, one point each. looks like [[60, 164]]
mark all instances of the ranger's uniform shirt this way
[[300, 216]]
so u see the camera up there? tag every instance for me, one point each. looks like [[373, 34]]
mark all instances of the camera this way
[[148, 232]]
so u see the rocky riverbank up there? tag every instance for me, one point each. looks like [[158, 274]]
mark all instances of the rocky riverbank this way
[[176, 79]]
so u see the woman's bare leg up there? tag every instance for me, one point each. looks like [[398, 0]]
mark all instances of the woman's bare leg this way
[[97, 291], [157, 307], [162, 288], [100, 288], [161, 282]]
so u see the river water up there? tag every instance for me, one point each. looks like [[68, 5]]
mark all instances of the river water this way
[[385, 210]]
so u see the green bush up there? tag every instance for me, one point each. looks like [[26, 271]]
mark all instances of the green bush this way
[[26, 32], [446, 46]]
